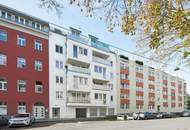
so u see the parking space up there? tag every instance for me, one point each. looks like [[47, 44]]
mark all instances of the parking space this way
[[159, 124]]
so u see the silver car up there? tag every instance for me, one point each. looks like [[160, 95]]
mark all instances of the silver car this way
[[25, 119]]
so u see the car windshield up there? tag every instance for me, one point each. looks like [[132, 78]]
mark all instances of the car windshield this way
[[22, 115]]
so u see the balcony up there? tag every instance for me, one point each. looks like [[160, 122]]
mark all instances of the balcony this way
[[101, 61], [100, 45], [79, 69], [83, 100], [101, 87]]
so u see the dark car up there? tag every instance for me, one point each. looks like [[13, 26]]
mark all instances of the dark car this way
[[3, 120], [147, 115], [168, 115]]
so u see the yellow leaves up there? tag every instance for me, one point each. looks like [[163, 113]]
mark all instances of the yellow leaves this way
[[128, 24]]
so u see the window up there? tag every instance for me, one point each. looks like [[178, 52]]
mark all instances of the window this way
[[3, 83], [3, 35], [99, 69], [21, 86], [59, 79], [3, 108], [3, 14], [39, 87], [21, 107], [124, 96], [38, 45], [59, 95], [124, 76], [124, 86], [21, 62], [21, 40], [83, 51], [38, 65], [75, 51], [111, 98], [59, 64], [3, 59], [96, 96], [21, 20], [59, 49], [122, 106]]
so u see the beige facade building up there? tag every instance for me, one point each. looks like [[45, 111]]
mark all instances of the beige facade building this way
[[143, 88]]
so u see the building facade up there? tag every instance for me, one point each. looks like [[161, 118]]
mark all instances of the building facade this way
[[24, 74], [55, 72], [143, 88]]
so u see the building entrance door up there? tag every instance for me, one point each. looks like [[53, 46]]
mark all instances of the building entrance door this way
[[80, 112]]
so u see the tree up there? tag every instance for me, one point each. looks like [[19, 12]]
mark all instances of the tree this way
[[163, 26]]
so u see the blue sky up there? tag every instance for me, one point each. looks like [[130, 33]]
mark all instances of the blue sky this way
[[71, 16]]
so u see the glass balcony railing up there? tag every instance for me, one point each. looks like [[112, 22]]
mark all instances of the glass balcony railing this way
[[100, 45], [80, 38]]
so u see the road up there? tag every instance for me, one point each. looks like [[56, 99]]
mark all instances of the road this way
[[163, 124]]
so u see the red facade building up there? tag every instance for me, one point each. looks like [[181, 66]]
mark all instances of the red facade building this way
[[24, 64]]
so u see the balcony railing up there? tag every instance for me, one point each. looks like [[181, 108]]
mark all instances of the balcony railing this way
[[78, 100], [101, 87], [79, 69], [100, 60]]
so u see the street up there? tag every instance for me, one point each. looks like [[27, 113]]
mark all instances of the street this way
[[163, 124]]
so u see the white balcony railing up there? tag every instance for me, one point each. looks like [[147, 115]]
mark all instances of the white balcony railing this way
[[101, 87], [78, 100], [79, 69], [100, 60]]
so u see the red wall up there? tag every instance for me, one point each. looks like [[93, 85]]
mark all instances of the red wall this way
[[12, 73]]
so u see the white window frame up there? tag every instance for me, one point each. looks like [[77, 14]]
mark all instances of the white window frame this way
[[3, 59], [38, 45], [21, 82], [21, 40], [3, 82], [21, 62], [3, 108], [21, 108], [38, 65]]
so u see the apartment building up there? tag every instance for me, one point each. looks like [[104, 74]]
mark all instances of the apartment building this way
[[55, 72], [24, 71], [91, 76], [143, 88]]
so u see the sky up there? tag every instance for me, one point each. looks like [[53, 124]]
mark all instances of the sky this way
[[72, 17]]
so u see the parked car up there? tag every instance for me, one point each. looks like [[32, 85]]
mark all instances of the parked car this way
[[147, 115], [3, 120], [25, 119], [136, 116], [168, 115], [160, 115], [130, 116], [121, 117], [186, 113]]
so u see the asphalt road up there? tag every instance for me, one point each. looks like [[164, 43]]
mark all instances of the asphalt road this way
[[163, 124]]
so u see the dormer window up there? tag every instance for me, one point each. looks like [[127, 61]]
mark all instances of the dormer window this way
[[3, 14], [75, 32], [93, 38]]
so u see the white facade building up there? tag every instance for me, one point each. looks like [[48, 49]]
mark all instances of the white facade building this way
[[57, 73], [82, 75]]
